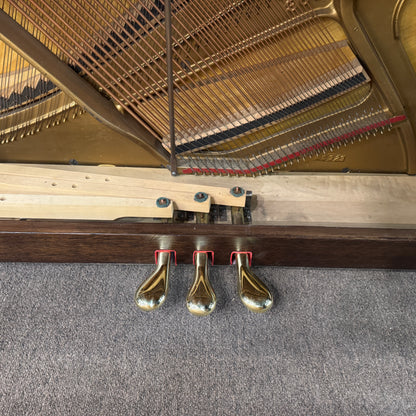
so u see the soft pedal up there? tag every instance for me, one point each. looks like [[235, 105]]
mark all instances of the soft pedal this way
[[152, 293]]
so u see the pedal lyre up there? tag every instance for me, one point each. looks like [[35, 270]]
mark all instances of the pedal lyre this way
[[253, 292], [152, 293], [201, 299]]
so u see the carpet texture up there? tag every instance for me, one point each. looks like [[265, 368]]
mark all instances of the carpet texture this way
[[336, 342]]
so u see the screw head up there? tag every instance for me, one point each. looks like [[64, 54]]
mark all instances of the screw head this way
[[237, 191], [200, 197], [162, 202]]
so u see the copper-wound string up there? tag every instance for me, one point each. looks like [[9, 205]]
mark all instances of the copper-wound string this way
[[155, 59], [78, 34], [253, 77], [186, 107], [178, 43], [94, 76], [60, 41], [186, 103]]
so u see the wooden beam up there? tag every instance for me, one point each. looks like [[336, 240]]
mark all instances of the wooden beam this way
[[96, 181], [79, 207], [116, 242]]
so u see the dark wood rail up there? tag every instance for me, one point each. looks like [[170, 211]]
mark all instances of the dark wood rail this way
[[116, 242]]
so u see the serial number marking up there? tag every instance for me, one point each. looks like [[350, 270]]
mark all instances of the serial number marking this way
[[330, 157]]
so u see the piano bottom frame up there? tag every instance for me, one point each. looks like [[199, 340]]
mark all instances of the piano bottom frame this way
[[116, 242]]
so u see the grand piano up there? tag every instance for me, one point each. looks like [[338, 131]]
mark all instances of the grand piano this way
[[273, 132]]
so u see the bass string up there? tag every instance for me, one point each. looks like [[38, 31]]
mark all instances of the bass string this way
[[162, 80], [252, 84], [179, 88], [78, 31], [253, 47], [179, 43], [58, 42]]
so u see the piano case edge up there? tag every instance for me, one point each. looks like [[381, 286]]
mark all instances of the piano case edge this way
[[117, 242]]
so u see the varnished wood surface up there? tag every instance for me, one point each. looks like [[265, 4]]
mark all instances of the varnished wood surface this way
[[115, 242], [330, 200]]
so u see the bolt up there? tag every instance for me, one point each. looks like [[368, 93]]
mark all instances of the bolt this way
[[200, 197], [162, 202], [237, 191]]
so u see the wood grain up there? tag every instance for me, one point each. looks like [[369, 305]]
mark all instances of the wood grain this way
[[333, 200], [114, 242], [76, 207], [114, 181], [47, 192]]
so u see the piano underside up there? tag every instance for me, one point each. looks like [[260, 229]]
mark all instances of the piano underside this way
[[286, 103]]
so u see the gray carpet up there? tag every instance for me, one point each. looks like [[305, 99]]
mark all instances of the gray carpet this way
[[337, 342]]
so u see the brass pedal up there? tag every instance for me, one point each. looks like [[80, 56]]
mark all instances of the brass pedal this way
[[201, 299], [152, 292], [253, 292]]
